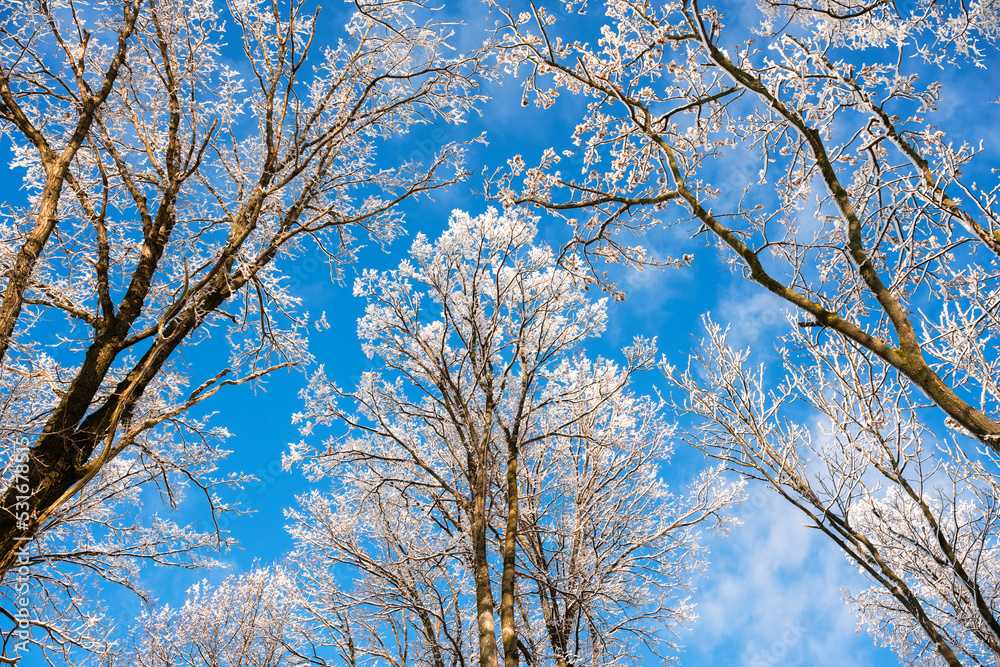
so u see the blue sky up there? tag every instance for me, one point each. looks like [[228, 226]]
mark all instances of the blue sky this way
[[772, 595], [773, 592]]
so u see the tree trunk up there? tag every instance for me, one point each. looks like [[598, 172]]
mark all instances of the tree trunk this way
[[481, 572], [507, 581], [27, 257]]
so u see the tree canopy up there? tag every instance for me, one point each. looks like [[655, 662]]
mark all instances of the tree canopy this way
[[500, 483]]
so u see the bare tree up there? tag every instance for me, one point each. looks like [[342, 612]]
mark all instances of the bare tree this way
[[489, 450], [609, 550], [916, 515], [829, 124], [807, 156], [250, 620], [165, 193], [407, 602]]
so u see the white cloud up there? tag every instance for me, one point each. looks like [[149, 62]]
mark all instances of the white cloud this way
[[773, 597], [755, 316]]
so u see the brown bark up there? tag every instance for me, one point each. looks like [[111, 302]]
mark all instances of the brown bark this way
[[27, 257], [481, 573], [907, 358], [59, 458], [867, 556], [550, 608], [899, 589], [508, 632], [56, 167]]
